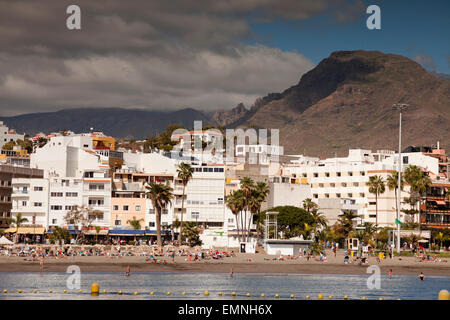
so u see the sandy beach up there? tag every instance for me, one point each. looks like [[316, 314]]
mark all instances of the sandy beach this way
[[260, 263]]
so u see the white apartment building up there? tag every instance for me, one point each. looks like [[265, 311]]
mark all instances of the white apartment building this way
[[7, 135], [30, 197]]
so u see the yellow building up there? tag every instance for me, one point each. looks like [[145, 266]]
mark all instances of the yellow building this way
[[99, 140], [124, 209]]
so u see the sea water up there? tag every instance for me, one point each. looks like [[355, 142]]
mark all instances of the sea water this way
[[405, 287]]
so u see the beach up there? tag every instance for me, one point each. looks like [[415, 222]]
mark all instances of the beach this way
[[241, 263]]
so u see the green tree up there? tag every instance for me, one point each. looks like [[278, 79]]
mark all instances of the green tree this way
[[136, 225], [257, 196], [9, 145], [17, 221], [235, 202], [247, 186], [161, 196], [185, 172], [291, 220], [309, 205], [97, 231], [59, 234], [191, 234], [419, 183], [345, 223], [319, 220], [376, 187], [392, 184]]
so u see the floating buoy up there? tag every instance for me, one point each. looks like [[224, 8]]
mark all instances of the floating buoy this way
[[65, 291], [262, 295], [233, 294], [292, 296], [183, 293], [307, 297], [35, 291], [81, 291], [380, 298], [277, 296], [120, 292], [104, 291], [152, 293], [219, 293], [169, 293], [95, 289], [345, 298], [50, 291], [364, 298], [206, 293], [136, 293], [248, 294], [5, 291], [330, 297], [444, 295], [320, 296], [20, 291]]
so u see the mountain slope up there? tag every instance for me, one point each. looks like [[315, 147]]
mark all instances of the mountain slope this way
[[112, 121], [346, 101]]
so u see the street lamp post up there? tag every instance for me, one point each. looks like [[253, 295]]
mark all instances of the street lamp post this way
[[400, 107]]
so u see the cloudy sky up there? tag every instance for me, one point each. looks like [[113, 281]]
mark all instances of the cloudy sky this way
[[202, 54]]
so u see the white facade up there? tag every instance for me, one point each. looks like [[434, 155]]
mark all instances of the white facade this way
[[30, 198], [287, 194], [7, 135]]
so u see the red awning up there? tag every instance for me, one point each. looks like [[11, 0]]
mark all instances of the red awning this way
[[440, 202]]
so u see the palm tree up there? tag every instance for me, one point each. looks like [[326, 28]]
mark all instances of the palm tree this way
[[377, 187], [309, 205], [392, 184], [257, 196], [441, 238], [247, 185], [161, 196], [185, 172], [319, 219], [17, 221], [97, 231], [346, 221], [419, 183], [235, 201], [136, 224]]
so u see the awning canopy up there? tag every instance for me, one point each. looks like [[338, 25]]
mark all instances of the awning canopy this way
[[49, 231], [94, 232], [441, 202], [26, 230], [126, 232]]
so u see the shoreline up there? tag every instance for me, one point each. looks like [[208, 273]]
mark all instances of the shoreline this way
[[222, 267]]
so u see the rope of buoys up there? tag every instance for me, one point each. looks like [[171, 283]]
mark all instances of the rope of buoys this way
[[444, 295], [320, 296]]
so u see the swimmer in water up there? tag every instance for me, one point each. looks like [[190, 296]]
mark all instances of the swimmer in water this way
[[231, 272], [421, 276], [390, 273], [42, 263], [127, 272]]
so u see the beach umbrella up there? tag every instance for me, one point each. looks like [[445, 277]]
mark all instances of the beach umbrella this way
[[4, 240]]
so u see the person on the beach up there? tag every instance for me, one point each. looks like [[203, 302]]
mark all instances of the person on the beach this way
[[421, 276], [128, 270]]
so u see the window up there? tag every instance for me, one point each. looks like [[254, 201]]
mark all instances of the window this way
[[327, 174], [372, 215], [117, 222], [362, 195], [115, 207], [165, 211], [38, 188], [138, 208], [230, 220], [195, 215], [332, 184], [54, 221], [101, 187], [363, 173], [355, 184], [405, 159], [125, 208], [343, 184], [38, 204], [327, 195], [320, 185], [205, 169], [56, 194], [315, 195], [56, 207], [151, 211], [88, 174], [316, 174], [338, 174], [338, 195], [151, 224], [350, 173], [68, 208], [71, 194], [372, 203], [304, 175], [350, 195], [24, 203]]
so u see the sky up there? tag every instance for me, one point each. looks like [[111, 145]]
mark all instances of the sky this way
[[208, 55]]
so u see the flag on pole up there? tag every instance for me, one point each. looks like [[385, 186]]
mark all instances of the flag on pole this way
[[398, 222]]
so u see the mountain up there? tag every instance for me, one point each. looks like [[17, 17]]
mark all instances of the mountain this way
[[224, 118], [346, 101], [112, 121]]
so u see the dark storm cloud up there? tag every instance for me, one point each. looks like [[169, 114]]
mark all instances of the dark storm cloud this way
[[146, 54]]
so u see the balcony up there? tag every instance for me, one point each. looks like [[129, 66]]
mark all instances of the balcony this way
[[19, 193]]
